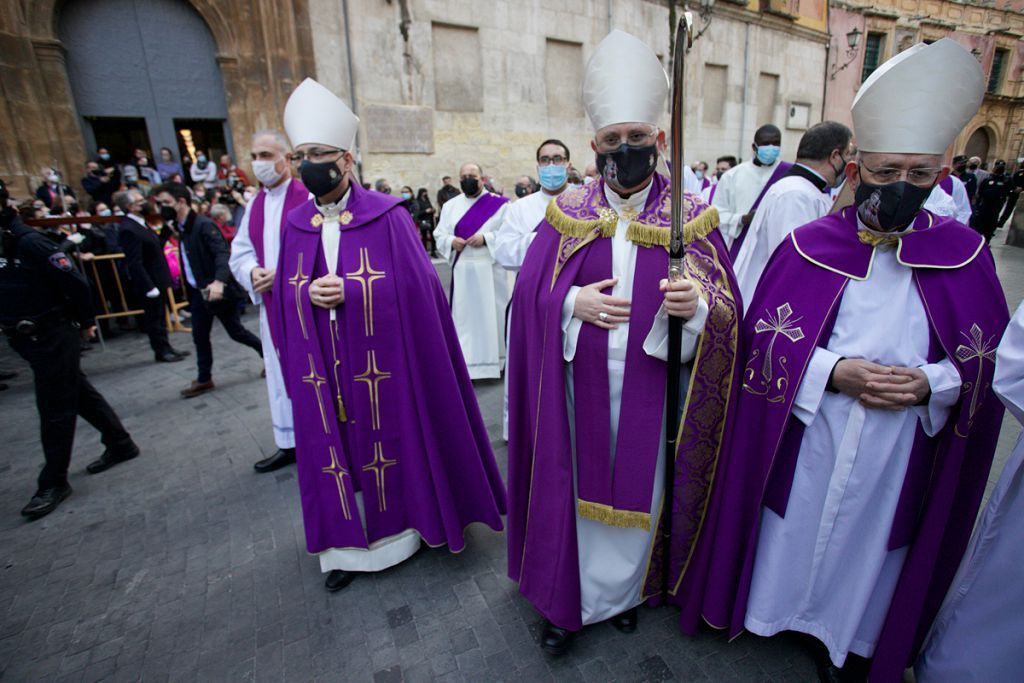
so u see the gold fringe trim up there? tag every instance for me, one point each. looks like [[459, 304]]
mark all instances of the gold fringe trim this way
[[655, 236], [606, 514], [579, 228]]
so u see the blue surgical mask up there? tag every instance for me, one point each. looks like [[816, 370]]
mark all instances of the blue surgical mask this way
[[767, 154], [406, 195], [552, 176], [699, 174], [104, 212]]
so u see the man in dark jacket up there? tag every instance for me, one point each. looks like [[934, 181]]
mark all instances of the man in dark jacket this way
[[101, 183], [146, 268], [212, 292], [992, 194]]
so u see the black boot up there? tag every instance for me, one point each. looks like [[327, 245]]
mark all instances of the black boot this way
[[338, 579], [555, 640], [282, 458], [625, 622], [46, 501]]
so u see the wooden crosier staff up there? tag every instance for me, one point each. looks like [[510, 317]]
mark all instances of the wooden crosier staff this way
[[683, 41]]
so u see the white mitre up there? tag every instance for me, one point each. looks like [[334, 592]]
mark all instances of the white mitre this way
[[624, 82], [918, 101], [315, 115]]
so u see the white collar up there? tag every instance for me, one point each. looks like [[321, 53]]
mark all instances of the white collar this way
[[635, 201], [331, 211], [279, 190], [137, 220]]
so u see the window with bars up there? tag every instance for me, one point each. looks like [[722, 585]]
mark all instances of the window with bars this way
[[995, 76], [873, 49]]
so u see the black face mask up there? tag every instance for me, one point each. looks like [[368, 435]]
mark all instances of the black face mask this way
[[973, 167], [521, 191], [168, 213], [628, 166], [320, 178], [889, 208], [470, 186]]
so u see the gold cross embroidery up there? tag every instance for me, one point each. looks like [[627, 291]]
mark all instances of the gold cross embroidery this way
[[314, 380], [378, 466], [365, 275], [980, 349], [373, 376], [339, 473], [298, 281]]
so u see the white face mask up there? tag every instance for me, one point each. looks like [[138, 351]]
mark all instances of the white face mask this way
[[265, 172]]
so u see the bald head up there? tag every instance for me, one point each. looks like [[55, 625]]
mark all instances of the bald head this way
[[271, 138], [470, 169]]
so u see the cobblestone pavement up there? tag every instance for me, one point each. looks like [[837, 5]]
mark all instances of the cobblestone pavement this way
[[185, 564]]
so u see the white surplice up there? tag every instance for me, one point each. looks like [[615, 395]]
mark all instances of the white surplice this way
[[961, 200], [825, 569], [242, 261], [738, 189], [613, 560], [514, 237], [384, 552], [978, 635], [480, 289], [940, 203], [788, 204]]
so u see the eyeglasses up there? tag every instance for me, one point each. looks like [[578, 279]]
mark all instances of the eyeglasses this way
[[914, 176], [613, 140], [318, 155], [557, 160]]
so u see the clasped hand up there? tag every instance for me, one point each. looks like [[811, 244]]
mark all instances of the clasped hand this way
[[880, 386], [327, 291], [262, 279], [680, 300]]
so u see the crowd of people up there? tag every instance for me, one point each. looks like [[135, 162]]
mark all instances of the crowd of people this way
[[833, 322]]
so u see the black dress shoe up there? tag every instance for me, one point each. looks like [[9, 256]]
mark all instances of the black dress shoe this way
[[555, 640], [111, 458], [282, 458], [169, 357], [7, 375], [46, 501], [338, 579], [625, 622]]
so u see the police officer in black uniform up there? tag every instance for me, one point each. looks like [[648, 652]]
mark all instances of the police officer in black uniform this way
[[45, 308], [992, 194]]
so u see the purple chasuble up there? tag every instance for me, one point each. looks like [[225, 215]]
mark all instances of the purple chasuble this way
[[572, 246], [947, 185], [945, 479], [295, 195], [381, 397], [478, 214], [780, 170]]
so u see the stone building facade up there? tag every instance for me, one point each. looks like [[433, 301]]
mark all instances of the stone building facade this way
[[435, 82], [992, 30]]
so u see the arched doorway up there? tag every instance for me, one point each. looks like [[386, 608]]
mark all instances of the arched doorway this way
[[137, 83], [979, 144]]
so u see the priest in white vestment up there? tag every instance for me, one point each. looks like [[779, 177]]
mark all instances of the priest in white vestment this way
[[479, 291], [978, 635], [740, 186], [801, 196], [255, 268]]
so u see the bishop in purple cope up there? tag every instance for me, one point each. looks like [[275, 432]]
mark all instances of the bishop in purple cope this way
[[390, 445], [866, 423]]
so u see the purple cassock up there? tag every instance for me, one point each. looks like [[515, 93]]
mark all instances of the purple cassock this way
[[792, 313], [381, 397], [572, 247]]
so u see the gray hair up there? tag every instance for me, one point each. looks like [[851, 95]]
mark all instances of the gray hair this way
[[280, 141], [220, 210], [123, 199]]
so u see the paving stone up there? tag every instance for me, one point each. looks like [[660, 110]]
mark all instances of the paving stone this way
[[184, 564]]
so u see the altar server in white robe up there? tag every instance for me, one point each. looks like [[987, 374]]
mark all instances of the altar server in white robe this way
[[466, 236], [979, 633], [741, 185], [801, 196], [272, 167]]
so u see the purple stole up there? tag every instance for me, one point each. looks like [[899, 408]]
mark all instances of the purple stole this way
[[478, 214], [373, 412], [947, 185], [572, 246], [780, 170], [946, 475], [296, 195]]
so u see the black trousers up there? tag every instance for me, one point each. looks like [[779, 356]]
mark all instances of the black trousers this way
[[153, 311], [1011, 203], [203, 314], [62, 393]]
